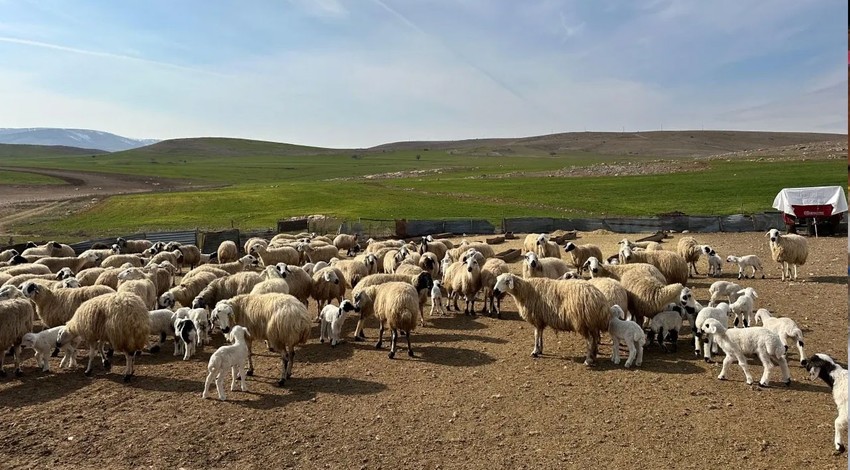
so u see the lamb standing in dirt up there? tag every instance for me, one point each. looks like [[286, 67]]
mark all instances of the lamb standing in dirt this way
[[233, 357]]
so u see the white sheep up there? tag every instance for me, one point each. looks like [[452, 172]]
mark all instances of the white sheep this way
[[628, 332], [743, 306], [16, 317], [43, 344], [227, 252], [162, 326], [437, 299], [788, 250], [823, 366], [56, 307], [705, 343], [723, 289], [669, 322], [744, 262], [690, 250], [328, 285], [332, 320], [550, 268], [572, 305], [715, 264], [738, 343], [395, 304], [546, 248], [119, 318], [231, 356], [280, 319], [581, 253], [186, 332], [785, 327], [463, 278], [672, 266]]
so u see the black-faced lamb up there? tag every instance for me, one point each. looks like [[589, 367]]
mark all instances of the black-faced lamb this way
[[715, 264], [822, 366], [572, 305], [186, 332], [788, 250], [744, 262], [738, 343], [229, 357], [785, 327]]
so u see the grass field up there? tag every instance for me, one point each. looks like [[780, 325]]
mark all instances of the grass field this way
[[268, 182], [18, 177]]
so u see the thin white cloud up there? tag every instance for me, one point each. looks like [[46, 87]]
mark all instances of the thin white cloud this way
[[322, 8]]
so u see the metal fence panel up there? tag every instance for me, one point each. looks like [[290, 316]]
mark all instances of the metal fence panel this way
[[189, 237]]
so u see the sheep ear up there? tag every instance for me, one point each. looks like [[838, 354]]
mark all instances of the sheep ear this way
[[712, 329], [511, 282]]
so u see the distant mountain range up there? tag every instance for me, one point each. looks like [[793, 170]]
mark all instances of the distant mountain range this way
[[82, 138]]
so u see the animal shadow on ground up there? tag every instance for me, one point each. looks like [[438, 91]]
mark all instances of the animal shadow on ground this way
[[829, 279], [457, 322], [38, 387], [303, 389], [315, 352], [427, 337], [456, 357], [654, 360]]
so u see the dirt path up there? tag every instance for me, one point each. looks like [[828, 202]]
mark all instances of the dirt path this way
[[472, 398]]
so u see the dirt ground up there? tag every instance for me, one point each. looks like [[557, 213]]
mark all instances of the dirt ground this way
[[471, 398]]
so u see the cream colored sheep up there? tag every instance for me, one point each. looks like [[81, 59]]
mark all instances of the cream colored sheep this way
[[348, 243], [788, 250], [648, 295], [370, 261], [76, 264], [87, 277], [255, 241], [245, 263], [300, 283], [135, 281], [119, 318], [116, 261], [408, 269], [162, 276], [551, 268], [26, 269], [613, 291], [191, 253], [352, 270], [690, 250], [422, 282], [225, 288], [437, 248], [188, 289], [6, 255], [463, 278], [227, 252], [133, 246], [395, 304], [376, 246], [580, 253], [15, 321], [490, 271], [175, 258], [430, 263], [273, 256], [208, 268], [56, 307], [546, 248], [672, 266], [572, 305], [616, 271], [328, 285], [280, 319], [529, 243], [321, 253]]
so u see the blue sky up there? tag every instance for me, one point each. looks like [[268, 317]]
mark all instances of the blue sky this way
[[356, 73]]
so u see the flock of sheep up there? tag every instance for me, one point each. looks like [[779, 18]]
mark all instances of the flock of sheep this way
[[114, 298]]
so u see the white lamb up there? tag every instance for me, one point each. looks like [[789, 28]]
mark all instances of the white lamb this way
[[437, 299], [715, 264], [43, 344], [743, 306], [738, 343], [231, 356], [627, 332], [187, 335], [744, 262], [823, 366], [785, 327], [723, 289], [669, 322], [703, 342], [332, 318]]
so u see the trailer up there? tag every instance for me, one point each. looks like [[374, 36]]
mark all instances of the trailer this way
[[819, 209]]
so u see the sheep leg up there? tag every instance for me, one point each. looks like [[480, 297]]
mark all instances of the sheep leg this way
[[538, 342], [707, 348], [786, 373], [639, 359], [673, 335], [795, 271], [740, 272], [592, 347], [840, 424], [291, 362], [234, 372], [380, 337], [284, 364], [742, 361], [615, 352], [632, 353], [803, 360], [766, 364], [455, 296], [16, 353], [129, 367], [241, 369], [208, 382], [358, 331], [697, 345], [219, 385], [93, 348], [409, 349], [393, 337], [250, 360]]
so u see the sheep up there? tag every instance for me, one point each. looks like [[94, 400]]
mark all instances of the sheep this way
[[161, 323], [15, 321], [119, 318], [580, 253], [689, 306], [748, 261], [562, 305], [705, 343], [785, 327], [64, 273], [225, 288], [135, 281], [436, 248], [743, 306], [175, 258], [227, 252], [43, 344], [551, 268], [210, 269], [723, 289], [737, 343], [16, 260], [669, 321], [102, 254], [547, 249], [530, 242], [395, 304], [41, 279], [422, 282], [50, 248], [318, 267], [321, 253], [116, 261], [715, 264], [463, 278], [491, 270], [391, 261], [73, 263], [614, 292], [188, 289], [253, 242], [596, 269], [67, 283], [133, 246], [648, 246], [352, 271], [162, 276], [788, 250], [88, 277], [628, 332], [10, 292], [835, 376], [26, 269], [486, 250], [271, 285], [6, 255], [437, 299], [408, 269], [370, 261], [56, 307], [672, 266], [375, 246], [300, 283], [244, 263], [273, 256], [231, 356], [648, 295], [332, 320], [202, 322], [280, 319], [328, 285], [690, 250], [430, 263], [191, 253], [347, 242], [186, 332]]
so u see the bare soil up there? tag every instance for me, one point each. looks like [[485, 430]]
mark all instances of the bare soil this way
[[471, 398]]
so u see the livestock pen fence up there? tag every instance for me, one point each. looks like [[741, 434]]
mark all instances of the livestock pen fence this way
[[208, 241]]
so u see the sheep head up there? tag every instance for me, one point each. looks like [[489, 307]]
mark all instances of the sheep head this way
[[504, 284], [222, 314]]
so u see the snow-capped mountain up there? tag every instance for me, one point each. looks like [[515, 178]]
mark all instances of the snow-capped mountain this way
[[83, 138]]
